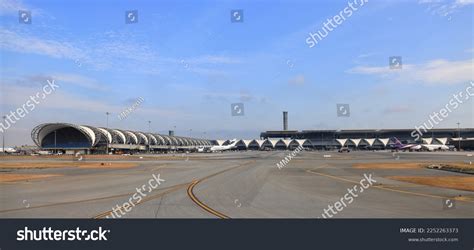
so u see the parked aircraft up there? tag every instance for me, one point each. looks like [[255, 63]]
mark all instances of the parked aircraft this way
[[231, 145], [8, 150], [417, 147]]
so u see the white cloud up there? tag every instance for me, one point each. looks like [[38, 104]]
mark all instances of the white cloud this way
[[79, 80], [11, 7], [71, 103], [298, 80], [445, 7], [365, 55], [109, 52], [435, 72], [448, 72], [464, 2], [28, 44], [207, 71], [210, 59]]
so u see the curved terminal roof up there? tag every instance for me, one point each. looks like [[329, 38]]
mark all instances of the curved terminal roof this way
[[94, 135], [41, 131]]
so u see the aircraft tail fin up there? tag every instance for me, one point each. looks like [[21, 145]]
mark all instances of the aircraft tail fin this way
[[397, 142]]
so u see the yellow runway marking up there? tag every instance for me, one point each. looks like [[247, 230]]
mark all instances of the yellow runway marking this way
[[202, 205], [190, 193]]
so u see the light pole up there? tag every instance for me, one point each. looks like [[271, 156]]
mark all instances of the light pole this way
[[3, 134], [459, 136], [149, 131], [55, 142], [107, 128]]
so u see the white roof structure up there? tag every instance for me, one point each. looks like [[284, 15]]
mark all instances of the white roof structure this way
[[273, 142], [384, 141], [152, 139], [174, 140], [428, 140], [89, 132], [40, 132], [81, 136], [246, 142], [442, 140], [133, 139], [301, 141], [166, 140], [342, 141], [106, 133], [287, 142], [120, 134], [370, 141], [356, 141], [259, 142], [143, 137]]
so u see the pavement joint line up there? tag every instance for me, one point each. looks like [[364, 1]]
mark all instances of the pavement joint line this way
[[65, 203], [169, 190], [389, 189], [172, 189], [77, 201]]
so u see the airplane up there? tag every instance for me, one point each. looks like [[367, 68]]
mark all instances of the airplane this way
[[8, 150], [417, 147], [201, 149], [433, 147], [398, 145], [218, 148]]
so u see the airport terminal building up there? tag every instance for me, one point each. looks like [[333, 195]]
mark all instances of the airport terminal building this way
[[70, 138], [88, 139], [374, 139]]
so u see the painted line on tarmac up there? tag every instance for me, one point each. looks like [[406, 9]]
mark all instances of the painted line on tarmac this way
[[169, 190], [66, 203], [202, 205], [389, 189]]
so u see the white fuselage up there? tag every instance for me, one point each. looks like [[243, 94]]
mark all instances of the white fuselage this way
[[8, 150], [224, 148], [433, 147], [201, 149], [429, 147]]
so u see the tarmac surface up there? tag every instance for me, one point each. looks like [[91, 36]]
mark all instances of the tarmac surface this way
[[238, 185]]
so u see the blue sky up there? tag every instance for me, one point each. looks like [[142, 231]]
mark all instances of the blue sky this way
[[189, 62]]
